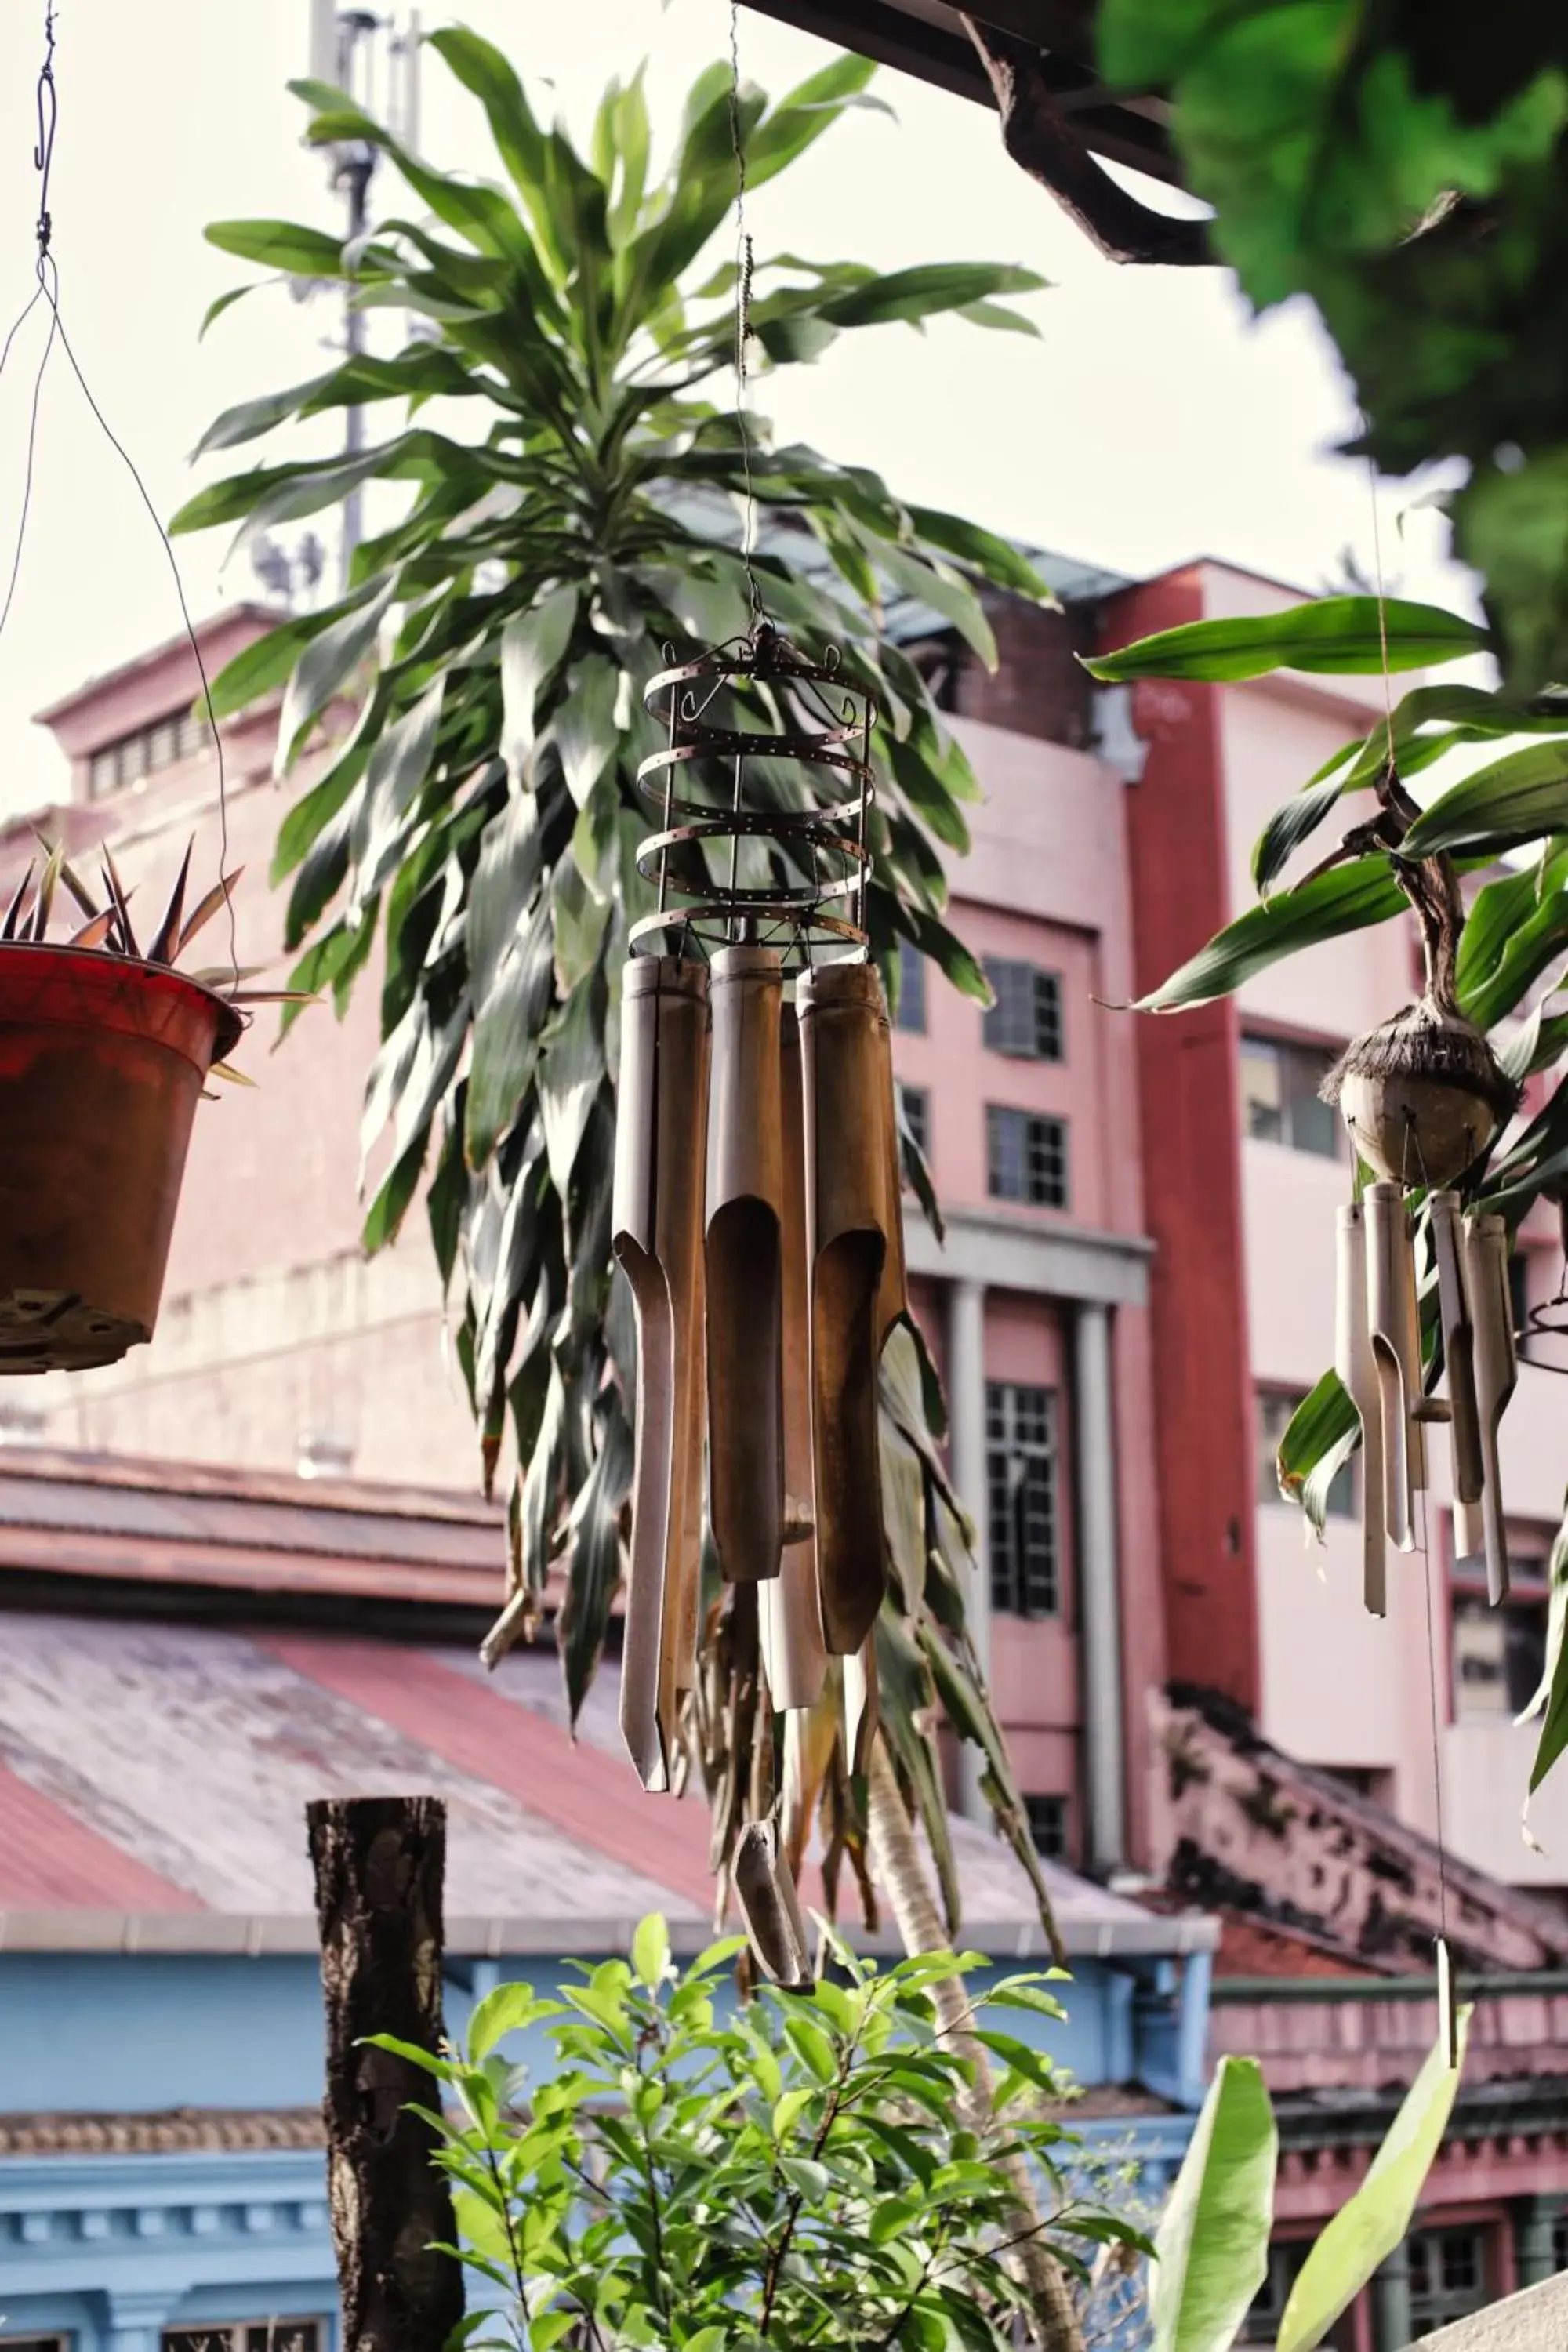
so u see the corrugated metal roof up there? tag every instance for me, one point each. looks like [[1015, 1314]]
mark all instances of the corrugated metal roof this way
[[171, 1765]]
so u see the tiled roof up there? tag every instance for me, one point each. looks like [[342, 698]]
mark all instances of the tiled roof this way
[[185, 1525], [175, 2132]]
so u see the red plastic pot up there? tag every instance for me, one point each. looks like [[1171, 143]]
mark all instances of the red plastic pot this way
[[102, 1061]]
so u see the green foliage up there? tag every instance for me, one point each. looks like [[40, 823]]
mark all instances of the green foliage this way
[[1409, 173], [1212, 2246], [572, 480], [796, 2171]]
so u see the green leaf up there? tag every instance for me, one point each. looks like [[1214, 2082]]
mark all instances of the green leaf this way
[[325, 667], [280, 244], [1514, 799], [532, 646], [1347, 899], [1337, 635], [650, 1951], [921, 293], [1290, 826], [1374, 2221], [501, 2011], [1212, 2240], [1322, 1434], [584, 727]]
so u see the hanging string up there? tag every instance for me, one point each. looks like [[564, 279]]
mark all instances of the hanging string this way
[[47, 289], [744, 270]]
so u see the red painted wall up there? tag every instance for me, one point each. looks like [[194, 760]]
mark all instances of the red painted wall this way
[[1189, 1105]]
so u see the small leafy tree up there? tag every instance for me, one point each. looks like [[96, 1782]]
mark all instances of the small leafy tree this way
[[1505, 824], [798, 2170], [576, 506]]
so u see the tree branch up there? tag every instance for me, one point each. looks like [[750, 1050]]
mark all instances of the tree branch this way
[[1042, 142]]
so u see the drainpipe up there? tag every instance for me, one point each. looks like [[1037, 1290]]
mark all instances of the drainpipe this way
[[966, 1411], [1390, 2303], [1099, 1597]]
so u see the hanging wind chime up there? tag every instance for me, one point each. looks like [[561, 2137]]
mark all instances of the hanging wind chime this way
[[105, 1047], [1423, 1097], [756, 1207]]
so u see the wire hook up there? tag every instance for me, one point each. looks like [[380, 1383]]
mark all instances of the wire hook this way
[[43, 150]]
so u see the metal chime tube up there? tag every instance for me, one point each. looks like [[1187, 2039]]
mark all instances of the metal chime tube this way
[[744, 1258], [657, 1225], [794, 1658], [847, 1241]]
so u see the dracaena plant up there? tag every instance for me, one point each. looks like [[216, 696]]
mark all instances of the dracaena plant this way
[[571, 500], [802, 2169], [1504, 823]]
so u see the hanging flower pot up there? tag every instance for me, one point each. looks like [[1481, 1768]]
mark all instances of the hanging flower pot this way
[[104, 1053]]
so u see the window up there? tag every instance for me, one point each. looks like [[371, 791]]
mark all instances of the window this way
[[1560, 2243], [246, 2336], [1499, 1655], [1271, 1420], [1261, 2325], [1027, 1018], [1021, 1499], [1048, 1826], [33, 2343], [914, 1103], [1518, 1292], [1448, 2277], [135, 757], [1279, 1098], [912, 1012], [1027, 1158]]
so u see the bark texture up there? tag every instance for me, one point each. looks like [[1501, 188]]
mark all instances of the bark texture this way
[[897, 1856], [1041, 139], [379, 1865]]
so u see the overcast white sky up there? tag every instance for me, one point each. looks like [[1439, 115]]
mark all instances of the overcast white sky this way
[[1150, 422]]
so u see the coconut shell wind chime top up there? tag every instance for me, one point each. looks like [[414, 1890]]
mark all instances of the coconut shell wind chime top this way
[[756, 1208], [105, 1048]]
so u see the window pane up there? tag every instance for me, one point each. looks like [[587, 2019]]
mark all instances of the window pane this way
[[1480, 1645], [1047, 1015], [911, 987], [1021, 1499], [132, 759], [1007, 1153], [1262, 1090], [104, 773], [1048, 1163], [1007, 1026], [161, 742], [1311, 1124], [194, 734], [1049, 1825]]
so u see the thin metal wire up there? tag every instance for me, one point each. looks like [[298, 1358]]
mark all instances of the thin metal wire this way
[[47, 289], [743, 264]]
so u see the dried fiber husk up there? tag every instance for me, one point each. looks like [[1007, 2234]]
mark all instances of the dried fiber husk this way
[[1423, 1095]]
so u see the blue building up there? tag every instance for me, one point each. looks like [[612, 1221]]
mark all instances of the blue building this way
[[186, 1657]]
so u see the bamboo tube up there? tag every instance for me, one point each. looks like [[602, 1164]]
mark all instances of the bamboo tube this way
[[656, 1228], [745, 1266], [862, 1710], [1496, 1372], [1458, 1346], [1357, 1369], [770, 1907], [1391, 1281], [841, 1012], [790, 1616]]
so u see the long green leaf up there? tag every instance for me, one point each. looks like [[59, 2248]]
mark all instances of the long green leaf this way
[[531, 646], [1212, 2246], [281, 244], [1335, 634], [325, 667], [1372, 2222], [1347, 899], [1517, 798]]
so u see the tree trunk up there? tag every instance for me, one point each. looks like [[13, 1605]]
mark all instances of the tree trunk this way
[[379, 1863], [898, 1858]]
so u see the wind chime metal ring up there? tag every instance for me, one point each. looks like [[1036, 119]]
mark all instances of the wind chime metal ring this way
[[813, 893]]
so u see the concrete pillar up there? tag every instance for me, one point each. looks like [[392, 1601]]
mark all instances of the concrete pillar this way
[[1100, 1600], [1391, 2304], [136, 2318], [966, 1418]]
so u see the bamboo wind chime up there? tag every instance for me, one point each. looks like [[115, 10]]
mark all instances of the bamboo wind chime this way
[[756, 1214], [1423, 1097]]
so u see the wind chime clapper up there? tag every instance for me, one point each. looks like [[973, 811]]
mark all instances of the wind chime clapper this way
[[1422, 1098], [757, 1208]]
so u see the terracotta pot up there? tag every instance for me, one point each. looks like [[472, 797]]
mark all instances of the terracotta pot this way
[[102, 1063]]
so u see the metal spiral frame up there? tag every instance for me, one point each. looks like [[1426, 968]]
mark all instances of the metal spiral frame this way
[[826, 842]]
